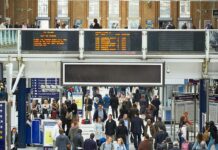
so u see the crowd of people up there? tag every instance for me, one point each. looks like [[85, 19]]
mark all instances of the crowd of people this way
[[133, 116]]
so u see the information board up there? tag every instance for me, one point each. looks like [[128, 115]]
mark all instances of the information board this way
[[3, 125], [176, 41], [37, 91], [113, 74], [50, 40], [113, 41]]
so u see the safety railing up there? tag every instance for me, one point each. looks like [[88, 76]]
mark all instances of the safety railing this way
[[141, 43]]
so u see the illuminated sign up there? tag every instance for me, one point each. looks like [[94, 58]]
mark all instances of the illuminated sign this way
[[50, 40], [113, 40], [135, 74], [2, 125]]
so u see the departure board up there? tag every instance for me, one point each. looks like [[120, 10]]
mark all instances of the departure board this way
[[50, 40], [113, 41]]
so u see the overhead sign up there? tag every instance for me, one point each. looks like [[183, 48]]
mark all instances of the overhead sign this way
[[113, 40], [38, 92], [113, 74], [3, 125], [50, 40], [176, 41]]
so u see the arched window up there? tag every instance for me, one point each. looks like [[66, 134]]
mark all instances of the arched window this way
[[185, 9], [165, 9], [42, 8], [94, 10], [62, 8], [133, 18], [114, 18]]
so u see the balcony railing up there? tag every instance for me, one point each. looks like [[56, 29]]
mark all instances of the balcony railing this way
[[110, 43]]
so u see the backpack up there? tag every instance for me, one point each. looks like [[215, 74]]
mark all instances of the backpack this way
[[112, 146]]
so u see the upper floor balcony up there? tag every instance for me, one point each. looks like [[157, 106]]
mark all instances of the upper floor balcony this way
[[106, 43]]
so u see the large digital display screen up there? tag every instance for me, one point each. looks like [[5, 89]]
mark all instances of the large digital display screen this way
[[113, 40], [176, 41], [112, 74], [50, 40]]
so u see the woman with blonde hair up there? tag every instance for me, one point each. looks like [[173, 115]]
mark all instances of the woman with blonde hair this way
[[120, 145]]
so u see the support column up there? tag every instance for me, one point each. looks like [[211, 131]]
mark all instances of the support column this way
[[203, 103], [22, 113]]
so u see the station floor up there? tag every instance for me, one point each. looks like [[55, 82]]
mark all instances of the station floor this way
[[89, 128]]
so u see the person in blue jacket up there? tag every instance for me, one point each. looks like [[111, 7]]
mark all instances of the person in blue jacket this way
[[106, 102]]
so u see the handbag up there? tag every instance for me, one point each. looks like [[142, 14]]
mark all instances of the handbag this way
[[131, 138]]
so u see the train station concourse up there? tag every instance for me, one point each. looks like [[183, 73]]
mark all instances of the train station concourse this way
[[108, 75]]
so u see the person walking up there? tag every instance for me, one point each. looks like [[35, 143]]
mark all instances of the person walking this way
[[146, 144], [121, 131], [106, 103], [88, 108], [119, 145], [100, 113], [114, 105], [137, 126], [90, 144], [110, 127], [62, 141], [78, 140], [108, 145]]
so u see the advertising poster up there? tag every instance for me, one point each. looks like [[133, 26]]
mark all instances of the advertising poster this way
[[78, 97], [48, 129], [2, 126]]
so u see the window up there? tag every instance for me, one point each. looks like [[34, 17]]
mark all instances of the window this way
[[42, 8], [94, 10], [114, 19], [185, 9], [133, 8], [164, 9], [62, 8], [133, 19], [114, 6]]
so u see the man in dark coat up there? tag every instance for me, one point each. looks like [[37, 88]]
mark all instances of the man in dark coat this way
[[100, 112], [90, 144], [160, 137], [122, 131], [78, 140], [74, 107], [156, 103], [114, 105], [137, 126], [110, 127]]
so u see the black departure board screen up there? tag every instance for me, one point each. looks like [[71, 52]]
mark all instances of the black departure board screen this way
[[112, 74], [176, 41], [113, 41], [50, 40]]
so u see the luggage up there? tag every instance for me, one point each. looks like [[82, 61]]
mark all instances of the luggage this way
[[190, 145], [86, 121], [185, 146]]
